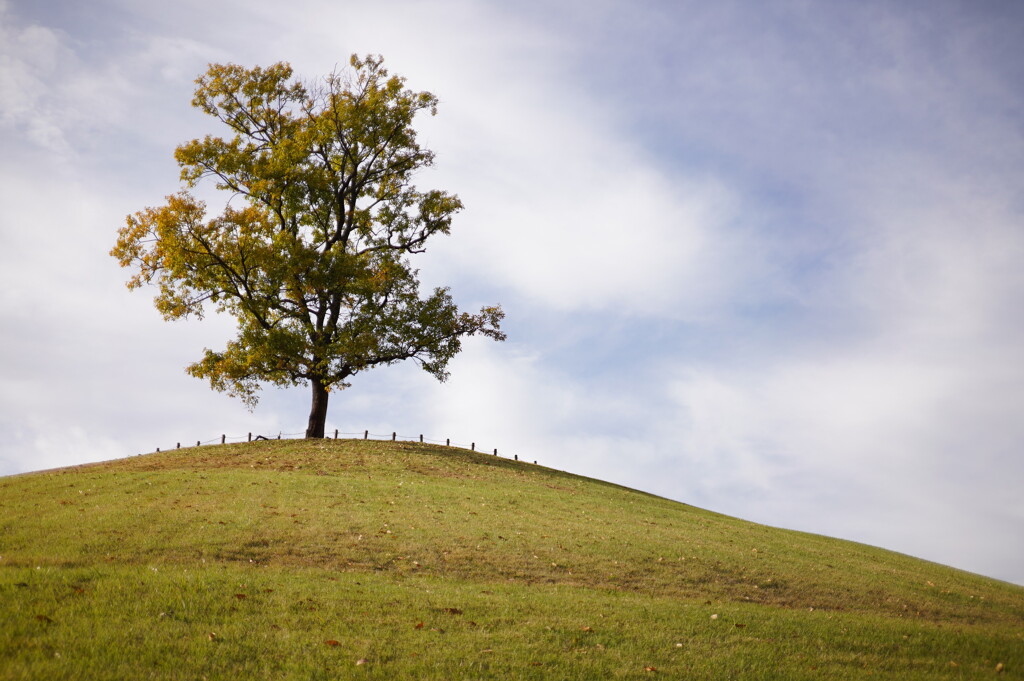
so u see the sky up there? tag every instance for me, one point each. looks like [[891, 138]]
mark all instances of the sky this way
[[761, 258]]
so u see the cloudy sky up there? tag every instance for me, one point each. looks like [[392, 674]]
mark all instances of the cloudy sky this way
[[763, 258]]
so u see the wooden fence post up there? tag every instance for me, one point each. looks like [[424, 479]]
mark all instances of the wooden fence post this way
[[516, 457], [157, 451], [495, 452], [198, 443], [250, 437], [421, 438], [178, 447], [393, 436], [472, 446], [448, 442], [223, 438], [335, 433], [366, 434]]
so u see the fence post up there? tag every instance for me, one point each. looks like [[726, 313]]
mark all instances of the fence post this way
[[516, 457], [279, 436], [250, 437], [178, 447], [393, 436], [366, 434], [472, 446], [421, 438], [335, 433], [198, 443], [448, 442], [157, 451], [223, 438], [495, 452]]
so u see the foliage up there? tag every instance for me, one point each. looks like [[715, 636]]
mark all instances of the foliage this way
[[313, 263]]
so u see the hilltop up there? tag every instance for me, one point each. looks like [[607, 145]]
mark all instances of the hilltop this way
[[350, 559]]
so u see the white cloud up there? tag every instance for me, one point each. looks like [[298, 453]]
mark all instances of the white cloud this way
[[888, 423], [875, 458], [30, 60], [939, 255], [596, 229], [497, 395]]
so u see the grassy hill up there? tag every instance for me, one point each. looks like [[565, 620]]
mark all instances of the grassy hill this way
[[379, 560]]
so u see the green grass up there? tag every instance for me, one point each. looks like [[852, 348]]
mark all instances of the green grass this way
[[354, 559]]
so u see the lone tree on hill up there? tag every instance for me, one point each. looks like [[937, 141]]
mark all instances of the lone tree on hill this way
[[313, 261]]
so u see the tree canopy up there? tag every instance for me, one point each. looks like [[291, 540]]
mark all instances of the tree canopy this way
[[313, 260]]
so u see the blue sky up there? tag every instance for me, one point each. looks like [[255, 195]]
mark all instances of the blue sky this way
[[764, 258]]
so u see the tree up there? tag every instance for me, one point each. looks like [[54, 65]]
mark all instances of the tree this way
[[312, 260]]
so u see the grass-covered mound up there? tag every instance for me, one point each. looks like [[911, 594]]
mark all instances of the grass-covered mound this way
[[352, 559]]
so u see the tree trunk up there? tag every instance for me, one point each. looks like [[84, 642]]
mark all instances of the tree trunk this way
[[318, 412]]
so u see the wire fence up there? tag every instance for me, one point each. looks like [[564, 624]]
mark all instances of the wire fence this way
[[394, 436]]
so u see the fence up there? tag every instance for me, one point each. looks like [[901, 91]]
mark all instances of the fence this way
[[366, 435]]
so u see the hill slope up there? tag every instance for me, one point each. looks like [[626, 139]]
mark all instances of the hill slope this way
[[328, 559]]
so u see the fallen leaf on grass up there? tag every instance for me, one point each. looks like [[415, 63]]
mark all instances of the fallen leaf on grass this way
[[331, 642], [419, 625], [213, 637], [999, 668], [650, 669], [360, 661], [740, 626], [586, 628]]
